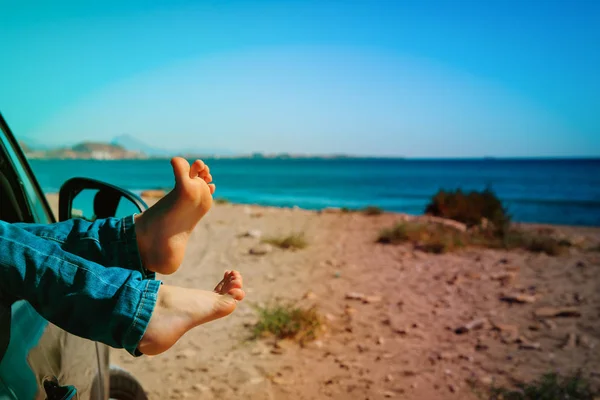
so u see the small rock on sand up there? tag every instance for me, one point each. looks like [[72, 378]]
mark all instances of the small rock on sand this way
[[508, 333], [549, 324], [281, 381], [472, 325], [486, 380], [261, 249], [518, 298], [550, 312], [354, 296], [284, 344], [185, 354], [310, 295], [253, 233], [569, 342], [330, 317], [200, 387], [505, 278], [318, 344], [349, 311], [585, 342], [530, 346], [371, 299], [362, 297], [526, 344]]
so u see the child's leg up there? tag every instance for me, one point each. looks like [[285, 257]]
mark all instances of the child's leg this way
[[108, 242], [161, 232], [112, 305]]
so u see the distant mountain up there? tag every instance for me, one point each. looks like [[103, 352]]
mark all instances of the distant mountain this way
[[133, 144]]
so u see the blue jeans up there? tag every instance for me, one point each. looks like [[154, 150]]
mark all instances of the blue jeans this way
[[85, 277]]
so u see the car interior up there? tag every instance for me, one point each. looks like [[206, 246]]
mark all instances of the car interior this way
[[12, 200], [9, 206]]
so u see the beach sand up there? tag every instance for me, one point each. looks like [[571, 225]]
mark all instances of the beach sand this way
[[399, 343]]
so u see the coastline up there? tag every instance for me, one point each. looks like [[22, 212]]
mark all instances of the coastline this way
[[154, 194]]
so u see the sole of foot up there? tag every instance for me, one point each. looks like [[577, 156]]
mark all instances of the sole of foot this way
[[163, 230], [179, 310]]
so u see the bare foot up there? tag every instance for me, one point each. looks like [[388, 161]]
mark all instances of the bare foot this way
[[163, 230], [178, 310]]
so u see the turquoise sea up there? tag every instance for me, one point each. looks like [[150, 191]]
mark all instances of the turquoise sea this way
[[565, 191]]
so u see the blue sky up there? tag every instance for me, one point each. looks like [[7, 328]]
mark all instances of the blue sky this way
[[386, 78]]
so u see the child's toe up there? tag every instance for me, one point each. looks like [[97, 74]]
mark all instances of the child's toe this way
[[197, 167], [237, 294]]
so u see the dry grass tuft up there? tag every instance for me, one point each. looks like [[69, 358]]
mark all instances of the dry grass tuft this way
[[431, 238], [292, 241]]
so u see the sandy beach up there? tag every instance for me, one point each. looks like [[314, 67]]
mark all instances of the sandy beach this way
[[400, 323]]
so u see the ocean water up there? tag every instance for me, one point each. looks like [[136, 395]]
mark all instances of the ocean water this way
[[545, 191]]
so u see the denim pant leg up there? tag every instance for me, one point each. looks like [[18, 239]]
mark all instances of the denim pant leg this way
[[108, 242], [109, 305]]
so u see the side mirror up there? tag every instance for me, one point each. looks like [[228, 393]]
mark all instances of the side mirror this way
[[92, 199]]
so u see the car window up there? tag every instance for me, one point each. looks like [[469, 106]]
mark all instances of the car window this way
[[34, 197]]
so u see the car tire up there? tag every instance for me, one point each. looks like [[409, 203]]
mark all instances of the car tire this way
[[124, 386]]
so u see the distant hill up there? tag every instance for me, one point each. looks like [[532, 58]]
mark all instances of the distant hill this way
[[134, 144], [96, 146], [86, 150]]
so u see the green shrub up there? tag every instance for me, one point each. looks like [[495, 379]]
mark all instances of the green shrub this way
[[372, 210], [470, 208], [286, 321], [221, 200], [291, 241], [548, 387]]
